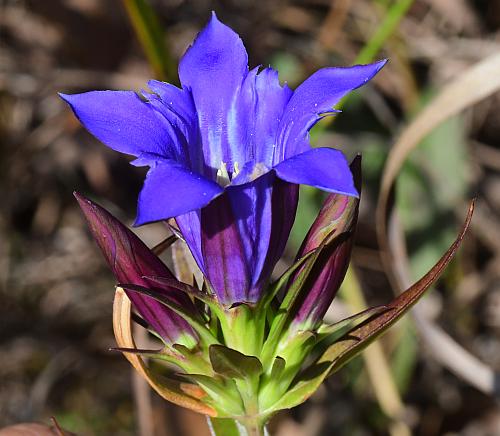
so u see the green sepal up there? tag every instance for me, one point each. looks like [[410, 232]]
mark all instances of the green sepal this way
[[233, 364], [284, 312], [303, 388], [275, 287], [277, 368], [223, 392], [294, 351]]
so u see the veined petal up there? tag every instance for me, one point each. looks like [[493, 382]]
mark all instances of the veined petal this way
[[170, 189], [122, 121], [177, 106], [258, 110], [223, 252], [213, 69], [323, 168], [252, 209], [272, 98], [131, 261], [316, 96]]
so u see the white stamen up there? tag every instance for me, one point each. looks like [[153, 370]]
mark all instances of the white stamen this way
[[222, 175]]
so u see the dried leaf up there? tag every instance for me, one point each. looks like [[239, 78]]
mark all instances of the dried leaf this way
[[170, 390]]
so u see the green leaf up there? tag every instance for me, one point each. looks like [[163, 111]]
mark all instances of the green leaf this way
[[278, 367], [308, 383], [233, 364], [150, 34], [224, 393]]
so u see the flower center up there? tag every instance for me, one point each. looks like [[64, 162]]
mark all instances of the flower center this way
[[223, 177]]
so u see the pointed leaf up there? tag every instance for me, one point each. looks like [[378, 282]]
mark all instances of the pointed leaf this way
[[332, 332], [360, 337], [278, 367], [303, 389], [233, 364]]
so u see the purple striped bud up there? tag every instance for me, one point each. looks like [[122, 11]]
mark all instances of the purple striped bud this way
[[131, 262], [337, 217]]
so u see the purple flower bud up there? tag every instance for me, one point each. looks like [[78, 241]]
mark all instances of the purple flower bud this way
[[131, 261], [337, 217]]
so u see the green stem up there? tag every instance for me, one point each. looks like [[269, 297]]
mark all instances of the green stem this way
[[242, 427], [391, 21], [150, 34], [252, 427]]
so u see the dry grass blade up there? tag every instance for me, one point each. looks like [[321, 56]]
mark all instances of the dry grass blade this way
[[475, 84]]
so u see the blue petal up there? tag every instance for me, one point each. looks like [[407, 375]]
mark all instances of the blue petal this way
[[258, 108], [177, 106], [316, 96], [272, 99], [122, 121], [213, 69], [323, 168], [171, 190]]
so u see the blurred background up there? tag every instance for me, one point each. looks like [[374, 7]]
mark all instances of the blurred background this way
[[431, 377]]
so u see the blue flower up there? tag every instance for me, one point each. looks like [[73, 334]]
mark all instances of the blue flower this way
[[226, 154]]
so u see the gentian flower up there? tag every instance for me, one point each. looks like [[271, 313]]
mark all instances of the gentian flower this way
[[226, 153]]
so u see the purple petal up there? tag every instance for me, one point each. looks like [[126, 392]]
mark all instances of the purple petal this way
[[131, 260], [213, 69], [170, 190], [252, 206], [190, 227], [323, 168], [122, 121], [284, 199], [223, 253], [316, 96], [264, 210]]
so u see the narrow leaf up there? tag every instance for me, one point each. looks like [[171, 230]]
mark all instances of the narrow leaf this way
[[360, 337]]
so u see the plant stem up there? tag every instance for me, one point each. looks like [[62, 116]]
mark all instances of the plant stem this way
[[252, 427]]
